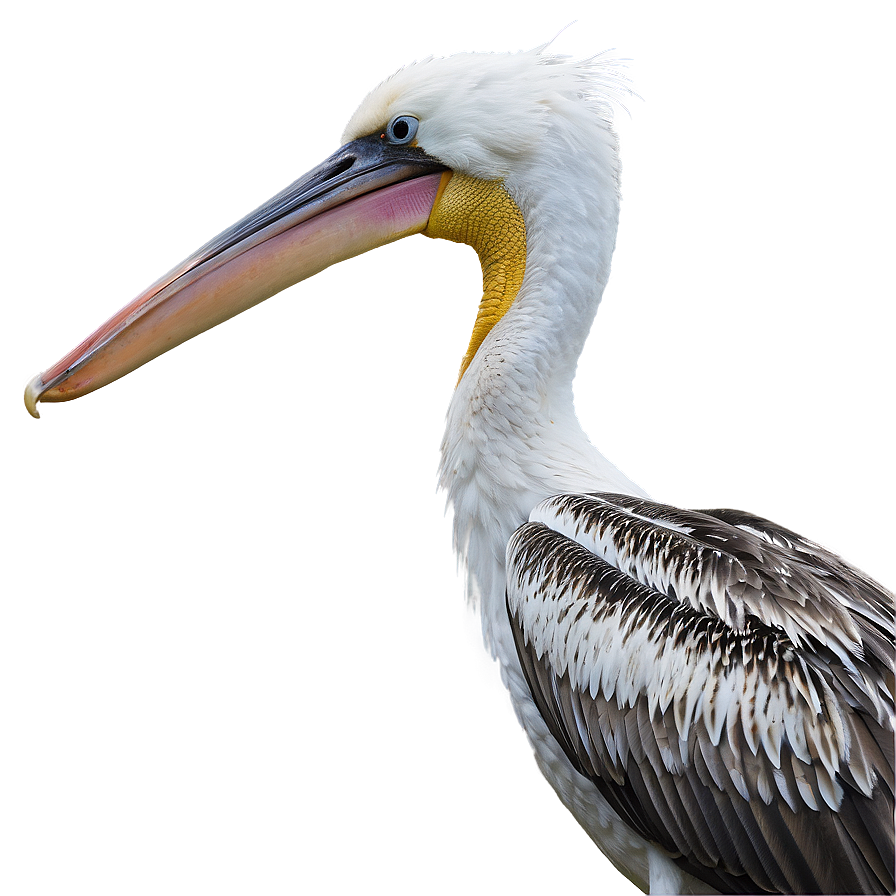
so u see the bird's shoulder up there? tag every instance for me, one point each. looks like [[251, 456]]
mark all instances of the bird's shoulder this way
[[727, 684]]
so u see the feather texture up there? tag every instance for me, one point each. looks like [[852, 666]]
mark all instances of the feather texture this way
[[700, 686], [727, 685]]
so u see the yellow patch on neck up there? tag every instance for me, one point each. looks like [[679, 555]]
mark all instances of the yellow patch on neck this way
[[481, 214]]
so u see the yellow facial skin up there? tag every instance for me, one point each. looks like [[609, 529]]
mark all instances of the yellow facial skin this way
[[481, 214]]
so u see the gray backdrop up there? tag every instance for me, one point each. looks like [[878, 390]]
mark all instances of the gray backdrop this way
[[235, 657]]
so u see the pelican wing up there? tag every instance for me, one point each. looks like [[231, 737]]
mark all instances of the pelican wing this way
[[726, 683]]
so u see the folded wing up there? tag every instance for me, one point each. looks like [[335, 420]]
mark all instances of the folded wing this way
[[727, 684]]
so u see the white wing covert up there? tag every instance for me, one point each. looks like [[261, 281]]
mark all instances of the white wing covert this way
[[726, 683]]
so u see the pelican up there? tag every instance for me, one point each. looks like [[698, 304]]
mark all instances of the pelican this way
[[710, 694]]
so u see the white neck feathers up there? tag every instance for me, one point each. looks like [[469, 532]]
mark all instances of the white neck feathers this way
[[512, 437]]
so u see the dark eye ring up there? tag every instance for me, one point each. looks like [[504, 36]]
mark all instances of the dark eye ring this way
[[402, 129]]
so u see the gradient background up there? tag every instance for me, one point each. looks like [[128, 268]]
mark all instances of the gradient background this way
[[234, 652]]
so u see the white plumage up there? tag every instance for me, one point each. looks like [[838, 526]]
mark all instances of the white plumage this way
[[639, 726], [512, 440]]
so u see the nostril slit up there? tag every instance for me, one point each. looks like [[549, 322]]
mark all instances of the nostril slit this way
[[342, 166]]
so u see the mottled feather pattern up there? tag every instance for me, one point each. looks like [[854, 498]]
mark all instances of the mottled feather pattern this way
[[726, 683], [512, 439], [738, 567]]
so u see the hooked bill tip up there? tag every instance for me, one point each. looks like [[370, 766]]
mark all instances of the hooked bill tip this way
[[32, 394]]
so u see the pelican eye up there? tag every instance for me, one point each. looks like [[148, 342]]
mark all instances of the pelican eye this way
[[402, 129]]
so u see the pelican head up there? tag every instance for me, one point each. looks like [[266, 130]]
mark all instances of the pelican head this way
[[493, 150], [710, 694]]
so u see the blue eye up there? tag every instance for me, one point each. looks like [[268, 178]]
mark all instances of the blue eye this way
[[402, 129]]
